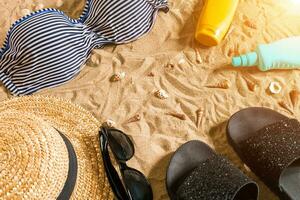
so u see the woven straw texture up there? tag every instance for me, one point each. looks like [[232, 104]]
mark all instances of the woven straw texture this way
[[33, 157]]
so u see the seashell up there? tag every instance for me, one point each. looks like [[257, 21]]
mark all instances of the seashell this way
[[170, 66], [109, 123], [198, 57], [177, 115], [229, 31], [285, 106], [250, 84], [231, 52], [26, 12], [161, 94], [118, 76], [135, 118], [151, 74], [181, 61], [247, 168], [294, 96], [59, 3], [250, 24], [222, 85], [95, 60], [199, 113], [39, 6], [250, 78], [275, 87]]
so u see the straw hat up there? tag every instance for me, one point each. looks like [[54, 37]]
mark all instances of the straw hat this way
[[41, 138]]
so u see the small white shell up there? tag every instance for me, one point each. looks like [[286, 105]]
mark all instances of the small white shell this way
[[39, 6], [198, 58], [59, 3], [118, 76], [95, 60], [162, 94], [181, 61], [247, 168], [275, 87], [109, 123], [26, 12]]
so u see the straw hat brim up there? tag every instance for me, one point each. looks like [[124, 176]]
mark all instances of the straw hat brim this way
[[82, 129]]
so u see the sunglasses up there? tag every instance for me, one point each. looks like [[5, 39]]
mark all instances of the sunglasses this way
[[132, 185]]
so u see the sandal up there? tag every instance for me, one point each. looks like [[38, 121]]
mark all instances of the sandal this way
[[197, 172], [269, 143]]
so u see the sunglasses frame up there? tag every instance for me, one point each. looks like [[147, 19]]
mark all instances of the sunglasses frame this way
[[119, 188]]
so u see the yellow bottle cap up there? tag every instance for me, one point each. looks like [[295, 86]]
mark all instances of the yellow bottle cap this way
[[207, 36]]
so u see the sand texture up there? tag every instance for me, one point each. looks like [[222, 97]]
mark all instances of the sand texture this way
[[169, 58]]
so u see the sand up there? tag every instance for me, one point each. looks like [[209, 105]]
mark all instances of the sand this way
[[156, 135]]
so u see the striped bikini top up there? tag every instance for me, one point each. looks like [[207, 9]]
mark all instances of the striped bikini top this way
[[47, 48]]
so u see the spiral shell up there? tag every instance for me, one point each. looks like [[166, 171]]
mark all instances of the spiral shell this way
[[177, 115], [150, 74], [118, 76], [251, 84], [294, 96], [250, 24], [135, 118], [200, 114], [161, 94], [222, 85], [285, 106]]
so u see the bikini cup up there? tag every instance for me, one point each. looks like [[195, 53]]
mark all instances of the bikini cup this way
[[47, 48]]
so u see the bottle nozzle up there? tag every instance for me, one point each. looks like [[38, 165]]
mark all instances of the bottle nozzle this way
[[246, 60]]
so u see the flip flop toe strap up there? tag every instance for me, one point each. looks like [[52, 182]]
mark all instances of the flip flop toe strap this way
[[272, 149], [214, 179]]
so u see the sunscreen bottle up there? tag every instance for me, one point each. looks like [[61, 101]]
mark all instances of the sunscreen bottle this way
[[214, 21], [282, 54]]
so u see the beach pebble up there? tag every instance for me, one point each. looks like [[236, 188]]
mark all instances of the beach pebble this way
[[161, 94], [198, 57], [275, 87], [59, 3], [26, 12]]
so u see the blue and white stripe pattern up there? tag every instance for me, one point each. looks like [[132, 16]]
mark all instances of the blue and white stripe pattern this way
[[47, 48]]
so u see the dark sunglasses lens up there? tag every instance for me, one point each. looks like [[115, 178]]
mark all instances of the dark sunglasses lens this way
[[120, 144], [137, 184]]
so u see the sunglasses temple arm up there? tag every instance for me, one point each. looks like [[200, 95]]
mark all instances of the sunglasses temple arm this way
[[113, 177]]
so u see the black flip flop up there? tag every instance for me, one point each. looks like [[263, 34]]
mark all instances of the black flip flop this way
[[197, 172], [269, 143]]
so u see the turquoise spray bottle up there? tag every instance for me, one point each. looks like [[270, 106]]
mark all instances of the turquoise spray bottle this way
[[282, 54]]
